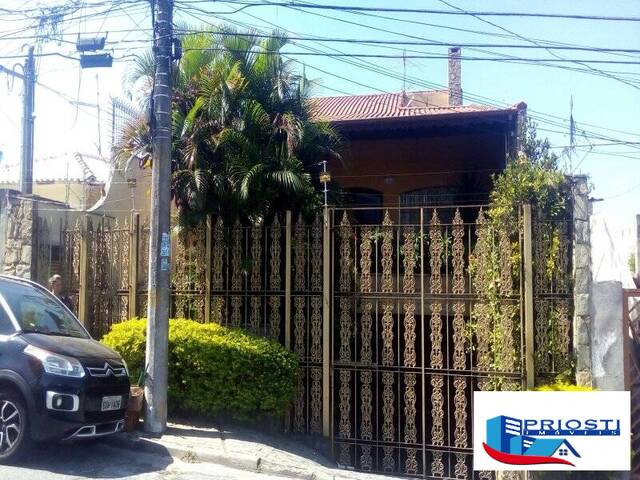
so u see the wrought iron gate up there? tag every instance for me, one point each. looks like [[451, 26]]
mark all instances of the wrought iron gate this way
[[413, 335], [397, 315]]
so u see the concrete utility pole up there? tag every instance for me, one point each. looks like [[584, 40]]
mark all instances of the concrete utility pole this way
[[159, 241], [26, 163]]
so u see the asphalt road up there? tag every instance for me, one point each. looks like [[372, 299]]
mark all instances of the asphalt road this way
[[81, 461]]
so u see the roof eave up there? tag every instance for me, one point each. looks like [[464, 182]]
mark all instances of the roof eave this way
[[427, 119]]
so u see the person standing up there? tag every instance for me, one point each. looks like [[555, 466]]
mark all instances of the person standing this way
[[56, 286]]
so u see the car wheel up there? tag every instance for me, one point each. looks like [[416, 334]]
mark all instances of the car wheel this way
[[14, 437]]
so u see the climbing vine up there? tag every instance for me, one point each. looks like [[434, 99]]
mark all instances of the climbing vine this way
[[532, 178]]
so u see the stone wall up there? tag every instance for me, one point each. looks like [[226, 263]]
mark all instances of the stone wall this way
[[582, 278], [17, 258]]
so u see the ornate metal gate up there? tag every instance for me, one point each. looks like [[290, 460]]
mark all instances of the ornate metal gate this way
[[397, 315], [415, 330]]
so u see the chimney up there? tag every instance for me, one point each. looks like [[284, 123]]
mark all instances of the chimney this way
[[455, 77]]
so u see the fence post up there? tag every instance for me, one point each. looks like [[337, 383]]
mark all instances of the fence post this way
[[528, 297], [134, 245], [287, 282], [83, 287], [208, 246], [326, 325]]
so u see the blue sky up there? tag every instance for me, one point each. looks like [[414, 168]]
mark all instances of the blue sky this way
[[602, 106]]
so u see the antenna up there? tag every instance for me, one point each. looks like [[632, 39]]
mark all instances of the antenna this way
[[98, 107], [572, 135], [404, 70]]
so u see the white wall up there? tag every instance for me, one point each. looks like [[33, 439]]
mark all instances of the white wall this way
[[607, 356]]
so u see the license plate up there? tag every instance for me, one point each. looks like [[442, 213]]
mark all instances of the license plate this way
[[111, 403]]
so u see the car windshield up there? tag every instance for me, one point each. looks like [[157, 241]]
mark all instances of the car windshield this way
[[38, 311]]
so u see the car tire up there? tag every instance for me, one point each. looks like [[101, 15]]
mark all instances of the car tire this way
[[14, 432]]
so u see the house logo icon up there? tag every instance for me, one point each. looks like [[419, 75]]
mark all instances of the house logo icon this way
[[508, 443]]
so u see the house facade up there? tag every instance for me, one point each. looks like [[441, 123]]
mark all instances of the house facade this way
[[419, 148], [416, 148]]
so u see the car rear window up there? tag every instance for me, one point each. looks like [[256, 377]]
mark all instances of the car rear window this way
[[38, 311]]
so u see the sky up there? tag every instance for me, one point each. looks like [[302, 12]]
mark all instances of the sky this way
[[603, 105]]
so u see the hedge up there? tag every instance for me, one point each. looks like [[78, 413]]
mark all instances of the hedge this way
[[563, 387], [215, 370]]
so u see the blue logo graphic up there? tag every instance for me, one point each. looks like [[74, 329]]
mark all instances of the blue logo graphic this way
[[509, 442]]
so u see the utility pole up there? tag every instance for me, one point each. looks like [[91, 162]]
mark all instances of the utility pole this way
[[155, 385], [26, 164]]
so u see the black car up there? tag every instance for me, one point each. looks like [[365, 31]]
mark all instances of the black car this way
[[56, 382]]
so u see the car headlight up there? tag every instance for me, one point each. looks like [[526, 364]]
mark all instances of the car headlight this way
[[56, 364], [126, 367]]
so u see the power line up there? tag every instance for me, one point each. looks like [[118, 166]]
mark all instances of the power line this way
[[362, 41], [364, 63], [482, 98], [431, 84], [423, 57], [578, 62], [376, 69], [414, 10]]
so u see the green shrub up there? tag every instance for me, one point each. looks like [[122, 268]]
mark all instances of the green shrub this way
[[563, 387], [215, 370]]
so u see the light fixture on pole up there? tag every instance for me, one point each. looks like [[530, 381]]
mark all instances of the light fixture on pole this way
[[325, 178]]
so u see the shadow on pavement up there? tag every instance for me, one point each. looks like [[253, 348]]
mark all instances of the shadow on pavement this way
[[93, 459]]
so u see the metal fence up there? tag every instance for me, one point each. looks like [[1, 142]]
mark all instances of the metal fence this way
[[397, 315], [404, 357]]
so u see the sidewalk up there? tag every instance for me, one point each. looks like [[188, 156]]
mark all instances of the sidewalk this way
[[242, 449]]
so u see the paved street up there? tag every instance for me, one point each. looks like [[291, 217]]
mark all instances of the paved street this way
[[98, 461]]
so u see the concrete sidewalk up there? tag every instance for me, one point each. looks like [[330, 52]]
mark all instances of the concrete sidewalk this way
[[242, 449]]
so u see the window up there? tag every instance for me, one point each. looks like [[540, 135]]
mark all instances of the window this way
[[370, 199], [6, 327], [38, 311], [425, 197]]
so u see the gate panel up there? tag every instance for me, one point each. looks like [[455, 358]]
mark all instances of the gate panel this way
[[413, 326], [249, 290], [70, 260], [108, 275], [553, 296]]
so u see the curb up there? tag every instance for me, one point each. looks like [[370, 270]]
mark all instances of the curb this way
[[202, 455], [185, 454], [241, 462]]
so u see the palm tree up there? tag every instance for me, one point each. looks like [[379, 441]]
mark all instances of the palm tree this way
[[244, 142]]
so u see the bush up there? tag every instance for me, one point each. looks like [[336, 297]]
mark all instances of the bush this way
[[563, 387], [215, 370]]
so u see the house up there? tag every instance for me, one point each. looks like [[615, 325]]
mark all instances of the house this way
[[419, 148], [543, 447]]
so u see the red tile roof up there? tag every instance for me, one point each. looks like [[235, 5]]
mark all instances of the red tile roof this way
[[389, 106]]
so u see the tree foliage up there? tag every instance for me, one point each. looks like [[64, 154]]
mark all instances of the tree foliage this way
[[244, 143], [532, 178]]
